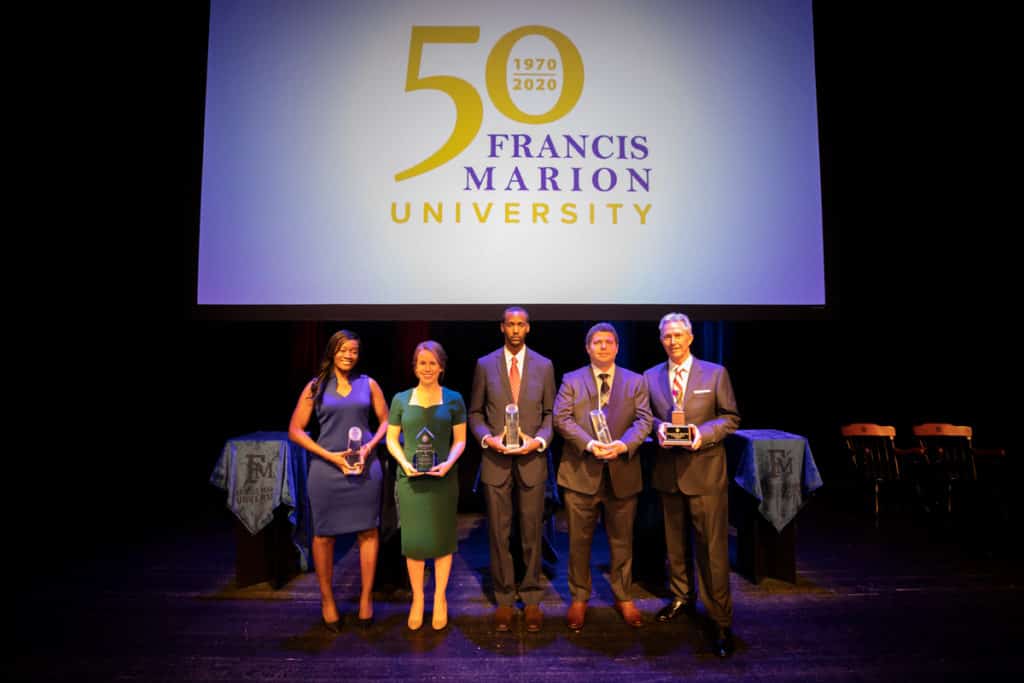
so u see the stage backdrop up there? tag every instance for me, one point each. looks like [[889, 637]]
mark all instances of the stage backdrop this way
[[538, 152]]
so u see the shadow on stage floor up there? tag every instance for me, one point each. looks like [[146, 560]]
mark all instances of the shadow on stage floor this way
[[904, 602]]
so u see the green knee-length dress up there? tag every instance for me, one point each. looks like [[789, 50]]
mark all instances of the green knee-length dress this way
[[427, 504]]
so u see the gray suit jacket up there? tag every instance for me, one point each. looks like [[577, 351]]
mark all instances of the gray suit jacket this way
[[710, 404], [491, 393], [629, 420]]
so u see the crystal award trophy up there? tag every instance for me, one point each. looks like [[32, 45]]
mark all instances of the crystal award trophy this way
[[600, 425], [513, 439], [678, 433], [425, 457], [355, 442]]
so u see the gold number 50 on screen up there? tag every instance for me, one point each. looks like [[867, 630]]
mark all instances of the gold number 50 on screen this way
[[469, 110]]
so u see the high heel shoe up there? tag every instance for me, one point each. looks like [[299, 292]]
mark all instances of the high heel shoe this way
[[439, 619], [365, 622], [332, 626], [415, 621]]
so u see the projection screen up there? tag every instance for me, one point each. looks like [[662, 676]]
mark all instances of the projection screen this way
[[410, 154]]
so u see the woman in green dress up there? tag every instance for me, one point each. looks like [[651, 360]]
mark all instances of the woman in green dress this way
[[432, 418]]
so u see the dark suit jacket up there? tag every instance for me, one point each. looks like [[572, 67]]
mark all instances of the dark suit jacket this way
[[491, 393], [629, 420], [710, 404]]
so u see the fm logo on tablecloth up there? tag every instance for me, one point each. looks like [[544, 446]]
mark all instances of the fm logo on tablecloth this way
[[257, 467], [781, 462]]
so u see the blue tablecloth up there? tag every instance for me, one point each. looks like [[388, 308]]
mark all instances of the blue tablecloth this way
[[261, 471], [775, 467]]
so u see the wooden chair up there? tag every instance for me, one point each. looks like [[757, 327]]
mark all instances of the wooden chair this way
[[959, 470], [878, 463]]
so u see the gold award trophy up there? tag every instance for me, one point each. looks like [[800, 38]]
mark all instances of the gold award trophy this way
[[678, 433]]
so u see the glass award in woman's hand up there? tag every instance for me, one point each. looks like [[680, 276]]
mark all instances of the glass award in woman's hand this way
[[355, 442], [600, 424], [424, 457], [678, 433], [512, 437]]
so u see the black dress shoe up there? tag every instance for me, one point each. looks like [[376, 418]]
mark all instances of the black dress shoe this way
[[723, 645], [365, 623], [332, 626], [674, 609]]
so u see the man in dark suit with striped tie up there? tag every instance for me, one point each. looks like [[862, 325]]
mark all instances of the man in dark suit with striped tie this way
[[596, 471], [516, 375], [691, 479]]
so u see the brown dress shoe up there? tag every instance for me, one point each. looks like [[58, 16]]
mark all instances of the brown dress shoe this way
[[630, 614], [576, 615], [534, 618], [503, 618]]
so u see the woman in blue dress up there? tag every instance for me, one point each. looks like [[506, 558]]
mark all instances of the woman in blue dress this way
[[432, 420], [344, 484]]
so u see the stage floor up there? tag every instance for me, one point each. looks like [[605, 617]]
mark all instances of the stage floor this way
[[902, 603]]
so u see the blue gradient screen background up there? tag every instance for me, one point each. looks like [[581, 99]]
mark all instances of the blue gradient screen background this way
[[308, 122]]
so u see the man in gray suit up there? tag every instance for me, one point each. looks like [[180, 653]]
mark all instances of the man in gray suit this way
[[514, 374], [692, 479], [595, 473]]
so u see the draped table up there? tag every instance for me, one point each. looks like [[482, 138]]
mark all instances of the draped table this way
[[264, 474], [772, 473]]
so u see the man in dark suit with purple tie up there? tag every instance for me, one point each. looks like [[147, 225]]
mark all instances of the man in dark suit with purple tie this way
[[691, 479], [517, 375], [596, 472]]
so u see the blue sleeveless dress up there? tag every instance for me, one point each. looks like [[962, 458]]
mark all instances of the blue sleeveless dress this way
[[344, 504]]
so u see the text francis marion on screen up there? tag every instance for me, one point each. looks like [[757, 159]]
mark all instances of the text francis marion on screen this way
[[561, 164]]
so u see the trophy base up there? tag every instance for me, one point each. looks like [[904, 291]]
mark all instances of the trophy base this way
[[424, 463], [678, 435]]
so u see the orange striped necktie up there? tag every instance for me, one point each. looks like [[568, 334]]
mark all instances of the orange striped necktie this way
[[514, 379], [677, 386]]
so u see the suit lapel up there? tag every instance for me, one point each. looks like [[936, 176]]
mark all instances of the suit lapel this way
[[617, 397], [693, 381], [526, 377], [591, 387], [502, 369], [661, 387]]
